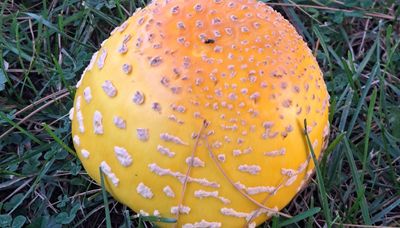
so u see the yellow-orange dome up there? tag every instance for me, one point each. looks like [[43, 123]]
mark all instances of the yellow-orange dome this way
[[194, 110]]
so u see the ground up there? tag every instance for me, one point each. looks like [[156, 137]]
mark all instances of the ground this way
[[45, 46]]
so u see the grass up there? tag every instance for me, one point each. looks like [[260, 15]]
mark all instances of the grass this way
[[45, 45]]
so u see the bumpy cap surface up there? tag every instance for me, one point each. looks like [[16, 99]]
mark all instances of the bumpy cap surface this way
[[195, 109]]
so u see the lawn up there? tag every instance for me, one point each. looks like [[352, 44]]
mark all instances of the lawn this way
[[46, 45]]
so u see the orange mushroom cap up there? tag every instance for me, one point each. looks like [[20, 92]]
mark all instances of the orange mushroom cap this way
[[194, 110]]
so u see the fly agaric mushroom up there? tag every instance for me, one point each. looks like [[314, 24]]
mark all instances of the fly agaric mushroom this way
[[194, 110]]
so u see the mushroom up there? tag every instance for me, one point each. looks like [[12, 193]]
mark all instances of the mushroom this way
[[194, 110]]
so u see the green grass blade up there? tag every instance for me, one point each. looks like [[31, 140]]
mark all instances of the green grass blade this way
[[58, 140], [275, 222], [357, 180], [374, 72], [321, 186], [151, 218], [331, 147], [105, 199], [378, 217], [40, 175], [48, 24], [299, 217], [127, 219], [25, 132], [368, 131], [334, 143], [326, 50]]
